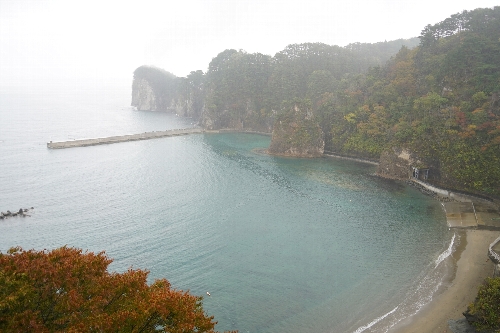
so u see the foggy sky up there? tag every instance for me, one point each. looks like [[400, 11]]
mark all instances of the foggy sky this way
[[47, 41]]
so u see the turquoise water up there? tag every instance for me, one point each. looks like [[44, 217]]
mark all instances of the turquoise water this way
[[281, 244]]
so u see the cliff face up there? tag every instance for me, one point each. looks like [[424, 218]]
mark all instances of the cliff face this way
[[395, 164], [296, 134], [398, 163], [225, 119], [153, 88], [190, 107], [143, 96], [245, 118]]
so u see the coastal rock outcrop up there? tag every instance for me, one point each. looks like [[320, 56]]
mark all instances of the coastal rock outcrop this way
[[21, 212], [189, 97], [296, 134], [152, 89], [395, 163], [247, 118], [400, 163], [189, 107], [143, 96]]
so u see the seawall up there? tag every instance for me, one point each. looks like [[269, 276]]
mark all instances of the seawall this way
[[122, 138], [461, 197], [342, 157]]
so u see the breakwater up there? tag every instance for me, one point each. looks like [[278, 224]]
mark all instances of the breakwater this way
[[122, 138]]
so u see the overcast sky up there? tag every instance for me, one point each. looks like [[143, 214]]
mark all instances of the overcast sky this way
[[103, 40]]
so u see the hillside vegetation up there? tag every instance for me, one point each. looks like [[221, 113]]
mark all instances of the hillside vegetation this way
[[438, 96], [68, 290]]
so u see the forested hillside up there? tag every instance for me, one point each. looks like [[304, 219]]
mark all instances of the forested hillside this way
[[248, 90], [440, 100], [436, 96], [245, 90]]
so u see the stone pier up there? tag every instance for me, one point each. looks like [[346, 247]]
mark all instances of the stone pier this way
[[122, 138]]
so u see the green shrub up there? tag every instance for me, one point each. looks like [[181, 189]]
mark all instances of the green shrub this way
[[484, 313]]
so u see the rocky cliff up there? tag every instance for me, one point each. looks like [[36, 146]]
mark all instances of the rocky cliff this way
[[189, 107], [143, 96], [153, 89], [399, 163], [395, 164], [296, 134], [244, 118]]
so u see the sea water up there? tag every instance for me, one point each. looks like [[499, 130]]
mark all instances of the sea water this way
[[281, 244]]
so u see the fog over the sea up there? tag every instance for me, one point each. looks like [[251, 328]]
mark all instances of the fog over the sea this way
[[44, 42]]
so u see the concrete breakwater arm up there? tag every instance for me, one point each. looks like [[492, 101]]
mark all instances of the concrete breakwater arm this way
[[122, 138]]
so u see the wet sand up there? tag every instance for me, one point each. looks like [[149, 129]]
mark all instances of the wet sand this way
[[472, 267]]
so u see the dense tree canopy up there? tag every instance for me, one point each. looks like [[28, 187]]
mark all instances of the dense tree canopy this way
[[67, 290], [236, 90], [484, 313]]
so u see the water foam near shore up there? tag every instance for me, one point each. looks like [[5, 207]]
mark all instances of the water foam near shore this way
[[375, 321], [420, 294]]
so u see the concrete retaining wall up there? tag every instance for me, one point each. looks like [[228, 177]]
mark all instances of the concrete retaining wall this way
[[495, 257], [492, 254]]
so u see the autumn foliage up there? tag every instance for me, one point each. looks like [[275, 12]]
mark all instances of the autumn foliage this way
[[67, 290]]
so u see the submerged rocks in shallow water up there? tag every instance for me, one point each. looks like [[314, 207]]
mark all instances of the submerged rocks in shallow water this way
[[21, 212]]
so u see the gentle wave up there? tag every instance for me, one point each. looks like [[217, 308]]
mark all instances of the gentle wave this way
[[446, 253], [363, 328], [417, 297]]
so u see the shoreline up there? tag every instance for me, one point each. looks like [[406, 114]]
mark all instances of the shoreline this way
[[458, 288], [472, 267]]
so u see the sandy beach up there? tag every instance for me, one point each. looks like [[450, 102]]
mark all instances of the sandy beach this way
[[472, 267]]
